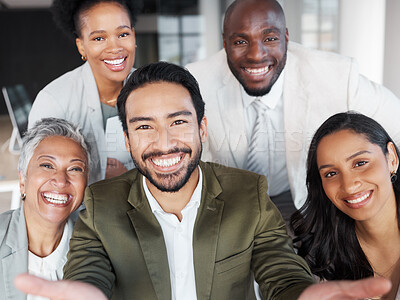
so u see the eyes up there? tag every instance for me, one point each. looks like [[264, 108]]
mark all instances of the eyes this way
[[47, 166], [358, 164], [103, 38], [243, 42], [174, 123]]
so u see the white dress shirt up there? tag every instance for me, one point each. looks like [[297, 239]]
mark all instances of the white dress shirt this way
[[178, 237], [51, 266], [275, 155]]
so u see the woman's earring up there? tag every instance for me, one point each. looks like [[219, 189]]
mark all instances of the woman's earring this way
[[83, 58], [23, 196], [393, 177]]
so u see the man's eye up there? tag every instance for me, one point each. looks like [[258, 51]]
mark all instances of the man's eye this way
[[241, 42], [271, 39], [143, 127], [178, 122]]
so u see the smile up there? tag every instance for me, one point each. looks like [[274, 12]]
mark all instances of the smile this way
[[257, 71], [167, 162], [115, 62], [56, 198], [359, 199]]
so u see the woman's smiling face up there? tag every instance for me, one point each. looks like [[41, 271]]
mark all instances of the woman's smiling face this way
[[355, 174], [55, 180], [107, 40]]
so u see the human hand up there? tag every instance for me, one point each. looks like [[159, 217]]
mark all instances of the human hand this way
[[114, 168], [57, 290], [347, 289]]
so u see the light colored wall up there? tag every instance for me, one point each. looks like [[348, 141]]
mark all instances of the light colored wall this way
[[362, 35], [391, 75]]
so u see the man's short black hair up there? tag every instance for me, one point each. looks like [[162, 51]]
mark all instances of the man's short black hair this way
[[160, 72]]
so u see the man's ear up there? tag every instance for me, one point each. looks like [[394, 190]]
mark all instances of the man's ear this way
[[127, 144], [287, 36], [79, 45], [203, 129]]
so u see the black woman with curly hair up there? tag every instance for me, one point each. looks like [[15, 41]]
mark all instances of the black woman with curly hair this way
[[105, 37], [348, 227]]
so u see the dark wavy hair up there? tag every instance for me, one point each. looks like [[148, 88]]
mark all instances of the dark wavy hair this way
[[66, 13], [325, 236], [160, 72]]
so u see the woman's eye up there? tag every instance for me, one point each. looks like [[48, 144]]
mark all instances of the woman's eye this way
[[330, 174], [47, 166], [361, 163], [98, 39], [124, 34], [77, 169]]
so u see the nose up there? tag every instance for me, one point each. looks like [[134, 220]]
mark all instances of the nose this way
[[257, 51], [165, 140], [350, 183], [114, 45], [60, 178]]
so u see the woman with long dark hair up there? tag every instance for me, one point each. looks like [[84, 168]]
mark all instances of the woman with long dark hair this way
[[348, 227]]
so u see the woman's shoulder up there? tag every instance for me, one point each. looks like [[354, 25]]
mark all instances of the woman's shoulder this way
[[5, 219]]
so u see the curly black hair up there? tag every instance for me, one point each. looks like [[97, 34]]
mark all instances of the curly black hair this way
[[66, 12]]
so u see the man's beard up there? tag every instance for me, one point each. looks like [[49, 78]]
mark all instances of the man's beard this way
[[264, 90], [170, 182]]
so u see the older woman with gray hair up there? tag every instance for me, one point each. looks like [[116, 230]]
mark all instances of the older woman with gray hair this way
[[53, 172]]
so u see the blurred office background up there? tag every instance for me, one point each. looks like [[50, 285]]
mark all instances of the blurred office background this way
[[33, 51]]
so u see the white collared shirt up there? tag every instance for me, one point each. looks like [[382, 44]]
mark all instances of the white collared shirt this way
[[51, 266], [275, 156], [178, 237]]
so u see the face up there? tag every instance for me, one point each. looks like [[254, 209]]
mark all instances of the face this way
[[107, 39], [55, 180], [355, 175], [255, 40], [164, 135]]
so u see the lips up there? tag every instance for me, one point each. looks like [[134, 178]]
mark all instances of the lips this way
[[257, 71], [58, 199], [117, 64], [167, 162], [358, 200]]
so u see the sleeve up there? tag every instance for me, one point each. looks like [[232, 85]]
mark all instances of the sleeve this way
[[280, 273], [87, 259], [45, 106], [375, 101]]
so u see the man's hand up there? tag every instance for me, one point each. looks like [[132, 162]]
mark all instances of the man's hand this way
[[347, 290], [57, 290]]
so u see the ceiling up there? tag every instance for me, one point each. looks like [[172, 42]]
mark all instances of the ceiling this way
[[25, 3]]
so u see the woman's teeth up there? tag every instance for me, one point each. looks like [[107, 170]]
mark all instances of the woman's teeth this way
[[114, 61], [56, 198], [358, 200]]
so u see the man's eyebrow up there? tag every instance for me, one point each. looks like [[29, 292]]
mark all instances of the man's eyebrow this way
[[347, 159], [138, 119], [179, 113], [271, 30]]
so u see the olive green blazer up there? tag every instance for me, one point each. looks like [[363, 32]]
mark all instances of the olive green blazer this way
[[118, 245]]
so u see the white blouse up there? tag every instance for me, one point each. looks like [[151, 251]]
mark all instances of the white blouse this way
[[51, 266]]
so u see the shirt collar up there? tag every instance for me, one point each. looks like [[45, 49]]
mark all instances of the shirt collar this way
[[271, 99], [194, 200]]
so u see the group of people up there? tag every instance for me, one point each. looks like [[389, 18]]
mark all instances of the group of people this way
[[196, 218]]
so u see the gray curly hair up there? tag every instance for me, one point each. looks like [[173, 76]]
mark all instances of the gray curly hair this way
[[48, 127]]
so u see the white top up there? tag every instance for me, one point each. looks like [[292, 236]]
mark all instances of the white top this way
[[51, 266], [178, 237], [275, 156]]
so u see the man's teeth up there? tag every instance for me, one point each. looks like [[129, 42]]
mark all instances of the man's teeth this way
[[257, 71], [358, 200], [56, 198], [114, 61], [167, 162]]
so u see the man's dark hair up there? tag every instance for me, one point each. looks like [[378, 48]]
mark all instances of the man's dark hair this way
[[160, 72]]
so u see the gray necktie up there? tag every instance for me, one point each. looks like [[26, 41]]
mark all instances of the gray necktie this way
[[257, 158]]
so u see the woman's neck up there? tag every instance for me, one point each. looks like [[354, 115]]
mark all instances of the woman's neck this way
[[108, 91], [43, 239]]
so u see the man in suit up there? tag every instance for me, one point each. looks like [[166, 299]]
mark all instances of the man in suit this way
[[294, 88], [176, 227]]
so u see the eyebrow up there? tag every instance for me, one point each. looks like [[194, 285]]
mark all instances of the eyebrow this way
[[53, 158], [271, 30], [347, 159], [169, 116], [103, 31]]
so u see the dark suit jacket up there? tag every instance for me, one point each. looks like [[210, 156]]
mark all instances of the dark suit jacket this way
[[118, 245]]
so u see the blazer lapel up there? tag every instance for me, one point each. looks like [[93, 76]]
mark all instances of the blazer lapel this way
[[296, 111], [17, 262], [232, 115], [151, 240], [206, 232]]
